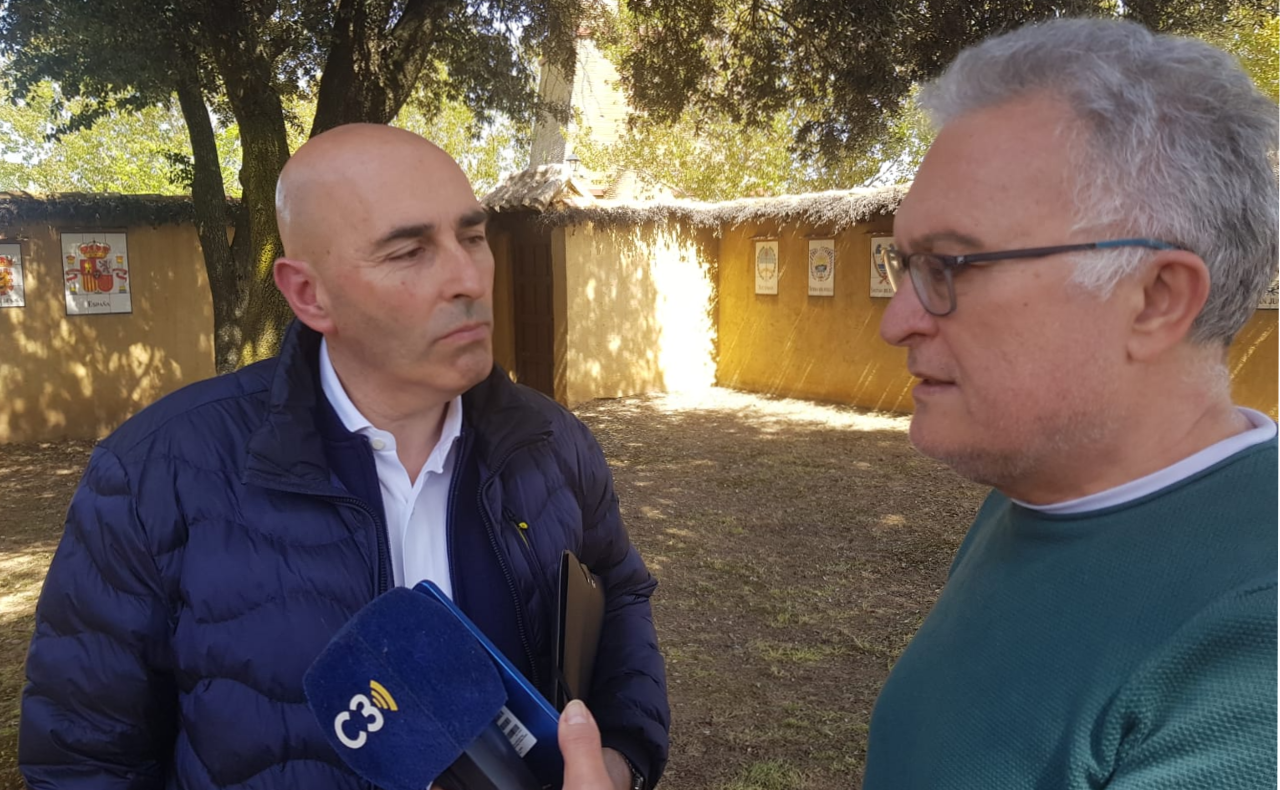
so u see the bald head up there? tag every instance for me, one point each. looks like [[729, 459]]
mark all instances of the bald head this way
[[386, 256], [347, 174]]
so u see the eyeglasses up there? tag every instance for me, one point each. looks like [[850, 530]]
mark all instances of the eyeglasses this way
[[932, 274]]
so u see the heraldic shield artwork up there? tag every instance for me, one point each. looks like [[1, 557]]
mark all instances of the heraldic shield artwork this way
[[766, 266], [12, 292], [822, 267], [880, 286], [95, 268]]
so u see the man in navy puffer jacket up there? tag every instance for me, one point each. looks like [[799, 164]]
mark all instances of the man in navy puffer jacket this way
[[220, 537]]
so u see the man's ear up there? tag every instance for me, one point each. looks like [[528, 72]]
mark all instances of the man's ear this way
[[1174, 287], [303, 291]]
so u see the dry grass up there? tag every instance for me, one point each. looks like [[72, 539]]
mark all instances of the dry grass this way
[[798, 547]]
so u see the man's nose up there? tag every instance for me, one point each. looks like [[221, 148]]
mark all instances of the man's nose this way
[[905, 320], [470, 271]]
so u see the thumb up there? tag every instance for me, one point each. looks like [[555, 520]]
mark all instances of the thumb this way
[[580, 744]]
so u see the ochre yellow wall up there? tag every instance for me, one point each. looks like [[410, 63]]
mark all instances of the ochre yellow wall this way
[[80, 376], [639, 310], [828, 348], [655, 308], [1253, 361], [796, 345]]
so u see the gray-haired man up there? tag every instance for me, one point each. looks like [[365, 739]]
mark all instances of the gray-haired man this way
[[1095, 220]]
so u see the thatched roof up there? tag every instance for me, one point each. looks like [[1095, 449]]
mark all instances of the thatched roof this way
[[834, 211], [550, 190], [96, 209], [536, 189]]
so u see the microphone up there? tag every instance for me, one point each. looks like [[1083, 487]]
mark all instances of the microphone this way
[[527, 719], [409, 697]]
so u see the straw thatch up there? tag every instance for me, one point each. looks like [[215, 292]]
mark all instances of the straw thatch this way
[[833, 211], [537, 189], [552, 192], [97, 209]]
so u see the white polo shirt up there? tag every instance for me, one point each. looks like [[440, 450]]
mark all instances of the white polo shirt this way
[[417, 511]]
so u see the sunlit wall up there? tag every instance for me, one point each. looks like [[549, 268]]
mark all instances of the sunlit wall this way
[[797, 345], [80, 376], [639, 309]]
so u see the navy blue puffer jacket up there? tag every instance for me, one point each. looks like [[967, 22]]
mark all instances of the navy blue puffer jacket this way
[[219, 539]]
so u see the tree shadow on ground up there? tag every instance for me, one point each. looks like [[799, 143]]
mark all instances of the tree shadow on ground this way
[[798, 548]]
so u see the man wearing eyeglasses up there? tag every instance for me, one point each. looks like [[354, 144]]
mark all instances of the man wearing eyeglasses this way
[[1095, 221]]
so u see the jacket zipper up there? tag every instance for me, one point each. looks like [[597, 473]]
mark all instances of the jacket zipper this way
[[515, 594], [520, 608], [522, 529], [448, 506], [383, 562], [384, 548]]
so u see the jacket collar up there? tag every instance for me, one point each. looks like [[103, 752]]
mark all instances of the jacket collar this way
[[502, 417], [287, 450]]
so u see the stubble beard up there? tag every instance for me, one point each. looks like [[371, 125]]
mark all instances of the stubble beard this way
[[1053, 441]]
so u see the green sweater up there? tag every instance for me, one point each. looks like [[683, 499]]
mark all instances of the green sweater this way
[[1131, 647]]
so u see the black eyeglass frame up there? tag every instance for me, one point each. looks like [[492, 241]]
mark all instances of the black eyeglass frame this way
[[895, 263]]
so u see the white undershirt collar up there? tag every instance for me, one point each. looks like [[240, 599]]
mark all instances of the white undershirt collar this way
[[1263, 430], [381, 440]]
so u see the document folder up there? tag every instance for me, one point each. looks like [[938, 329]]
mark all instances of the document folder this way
[[581, 617]]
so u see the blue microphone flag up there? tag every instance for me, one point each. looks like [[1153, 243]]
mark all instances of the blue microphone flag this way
[[527, 719], [403, 689]]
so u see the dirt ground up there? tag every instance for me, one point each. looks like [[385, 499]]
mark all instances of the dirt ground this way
[[798, 547], [36, 481]]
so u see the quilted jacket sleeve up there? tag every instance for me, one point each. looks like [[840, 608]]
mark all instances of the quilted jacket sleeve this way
[[629, 686], [98, 709]]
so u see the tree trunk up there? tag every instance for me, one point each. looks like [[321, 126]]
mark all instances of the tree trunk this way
[[210, 201], [266, 149], [370, 72], [247, 74], [368, 75]]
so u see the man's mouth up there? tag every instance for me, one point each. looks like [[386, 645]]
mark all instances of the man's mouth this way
[[467, 332], [931, 379]]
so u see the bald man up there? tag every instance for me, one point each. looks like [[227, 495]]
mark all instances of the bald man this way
[[220, 537]]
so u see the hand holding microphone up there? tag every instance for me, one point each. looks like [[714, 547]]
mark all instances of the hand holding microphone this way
[[409, 697]]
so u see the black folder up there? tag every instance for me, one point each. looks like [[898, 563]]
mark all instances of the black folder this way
[[581, 616]]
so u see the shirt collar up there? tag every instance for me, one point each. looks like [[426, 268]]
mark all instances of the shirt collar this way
[[449, 433], [356, 422], [1262, 429], [337, 394]]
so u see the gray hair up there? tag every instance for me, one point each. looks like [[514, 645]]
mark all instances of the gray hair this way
[[1178, 145]]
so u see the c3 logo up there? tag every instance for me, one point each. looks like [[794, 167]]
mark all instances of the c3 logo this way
[[372, 721]]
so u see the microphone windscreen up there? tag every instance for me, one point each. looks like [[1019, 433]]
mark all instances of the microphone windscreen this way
[[402, 690]]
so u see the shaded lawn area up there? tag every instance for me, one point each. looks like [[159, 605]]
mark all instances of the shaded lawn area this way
[[798, 547]]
